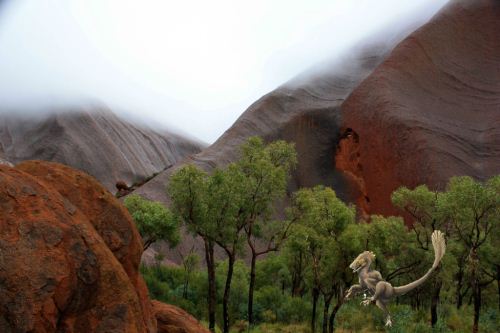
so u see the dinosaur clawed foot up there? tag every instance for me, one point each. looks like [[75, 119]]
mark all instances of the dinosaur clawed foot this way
[[366, 302]]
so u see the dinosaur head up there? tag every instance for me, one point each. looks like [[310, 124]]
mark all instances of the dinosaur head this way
[[363, 260]]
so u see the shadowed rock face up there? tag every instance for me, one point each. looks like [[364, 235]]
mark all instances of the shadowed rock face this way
[[304, 111], [430, 111], [420, 112], [97, 142], [69, 258], [371, 122]]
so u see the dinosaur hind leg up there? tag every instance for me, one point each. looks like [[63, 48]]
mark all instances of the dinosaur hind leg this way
[[383, 307], [383, 290]]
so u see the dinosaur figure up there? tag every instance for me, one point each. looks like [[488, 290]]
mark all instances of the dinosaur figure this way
[[381, 291]]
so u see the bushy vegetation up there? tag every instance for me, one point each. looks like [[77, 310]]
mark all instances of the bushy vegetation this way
[[153, 220], [300, 281], [276, 310]]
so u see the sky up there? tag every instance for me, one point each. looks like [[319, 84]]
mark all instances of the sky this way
[[191, 65]]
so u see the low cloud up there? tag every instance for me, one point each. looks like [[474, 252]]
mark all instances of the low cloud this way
[[193, 65]]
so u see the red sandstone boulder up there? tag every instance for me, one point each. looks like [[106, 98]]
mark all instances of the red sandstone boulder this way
[[109, 217], [69, 258], [174, 320], [56, 272]]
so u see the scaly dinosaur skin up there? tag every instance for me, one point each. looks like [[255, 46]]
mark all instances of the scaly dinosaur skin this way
[[371, 281]]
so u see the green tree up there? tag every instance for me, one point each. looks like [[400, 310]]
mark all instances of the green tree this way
[[227, 213], [153, 220], [188, 190], [189, 263], [331, 240], [210, 206], [423, 205], [223, 208], [266, 170], [469, 212], [474, 210]]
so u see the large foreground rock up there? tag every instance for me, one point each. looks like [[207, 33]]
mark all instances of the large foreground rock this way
[[107, 215], [56, 272], [97, 142], [69, 256]]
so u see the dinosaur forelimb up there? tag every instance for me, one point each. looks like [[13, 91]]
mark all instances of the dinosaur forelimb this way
[[353, 291]]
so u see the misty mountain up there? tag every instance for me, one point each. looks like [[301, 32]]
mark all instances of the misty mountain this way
[[96, 141]]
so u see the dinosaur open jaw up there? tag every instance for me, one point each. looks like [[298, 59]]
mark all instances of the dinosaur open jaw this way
[[356, 269]]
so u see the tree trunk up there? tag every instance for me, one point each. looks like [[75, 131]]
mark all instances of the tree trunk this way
[[477, 305], [498, 285], [326, 308], [185, 289], [147, 244], [459, 295], [227, 291], [297, 276], [315, 295], [434, 302], [209, 258], [336, 309], [251, 290]]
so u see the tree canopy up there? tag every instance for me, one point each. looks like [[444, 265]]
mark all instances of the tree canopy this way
[[154, 221]]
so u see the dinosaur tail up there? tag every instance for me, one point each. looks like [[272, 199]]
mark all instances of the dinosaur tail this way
[[439, 245]]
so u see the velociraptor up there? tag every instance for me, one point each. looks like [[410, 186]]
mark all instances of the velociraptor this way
[[382, 291]]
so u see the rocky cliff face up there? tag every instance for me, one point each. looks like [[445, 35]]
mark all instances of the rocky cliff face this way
[[390, 113], [69, 258], [97, 142], [304, 111], [430, 111], [407, 111]]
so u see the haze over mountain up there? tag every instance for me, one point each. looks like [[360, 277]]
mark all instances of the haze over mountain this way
[[305, 110], [195, 66], [417, 102], [95, 141], [379, 119]]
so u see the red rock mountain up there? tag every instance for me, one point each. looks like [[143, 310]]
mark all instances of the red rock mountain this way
[[97, 142], [414, 110], [304, 110], [430, 111], [69, 258]]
